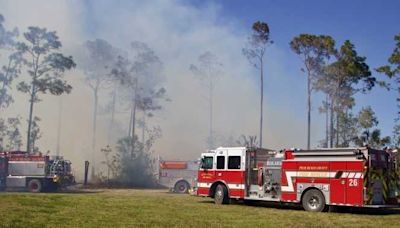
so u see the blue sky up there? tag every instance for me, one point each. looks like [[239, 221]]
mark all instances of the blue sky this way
[[370, 25]]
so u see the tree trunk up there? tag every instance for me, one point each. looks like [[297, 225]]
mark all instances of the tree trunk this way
[[326, 121], [111, 128], [35, 61], [134, 121], [331, 131], [59, 127], [337, 130], [261, 100], [308, 108], [130, 122], [94, 128], [28, 141], [133, 129], [211, 136], [144, 126]]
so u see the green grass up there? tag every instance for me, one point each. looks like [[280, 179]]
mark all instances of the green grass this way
[[156, 208]]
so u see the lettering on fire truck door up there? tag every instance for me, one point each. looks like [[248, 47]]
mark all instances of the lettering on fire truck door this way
[[338, 183]]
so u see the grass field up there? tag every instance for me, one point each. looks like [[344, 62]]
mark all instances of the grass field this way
[[157, 208]]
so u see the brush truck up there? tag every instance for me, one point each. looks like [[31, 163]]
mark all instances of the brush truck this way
[[178, 176], [317, 179], [35, 173]]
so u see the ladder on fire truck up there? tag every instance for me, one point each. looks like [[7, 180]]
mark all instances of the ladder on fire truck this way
[[328, 154]]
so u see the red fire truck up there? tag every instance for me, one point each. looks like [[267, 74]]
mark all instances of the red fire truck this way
[[360, 177], [35, 173]]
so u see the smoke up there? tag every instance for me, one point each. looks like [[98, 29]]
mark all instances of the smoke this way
[[178, 33]]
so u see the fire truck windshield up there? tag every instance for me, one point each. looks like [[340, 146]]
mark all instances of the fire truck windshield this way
[[207, 162]]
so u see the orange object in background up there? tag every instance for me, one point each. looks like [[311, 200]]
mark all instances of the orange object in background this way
[[173, 165]]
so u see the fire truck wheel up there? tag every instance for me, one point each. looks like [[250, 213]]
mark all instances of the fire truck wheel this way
[[181, 187], [313, 200], [35, 185], [221, 195]]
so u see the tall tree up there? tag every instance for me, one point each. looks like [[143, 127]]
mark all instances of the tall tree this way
[[254, 51], [314, 51], [45, 67], [139, 75], [208, 70], [97, 60]]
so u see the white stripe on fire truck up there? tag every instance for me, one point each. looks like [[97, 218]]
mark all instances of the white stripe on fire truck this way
[[203, 185], [230, 186], [289, 187], [352, 175], [291, 174], [236, 186]]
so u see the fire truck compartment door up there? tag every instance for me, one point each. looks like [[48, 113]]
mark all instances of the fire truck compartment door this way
[[354, 183], [338, 184], [26, 168]]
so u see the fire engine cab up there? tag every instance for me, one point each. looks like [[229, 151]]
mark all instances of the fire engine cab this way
[[360, 177]]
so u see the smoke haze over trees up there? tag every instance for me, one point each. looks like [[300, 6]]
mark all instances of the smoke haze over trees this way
[[141, 55]]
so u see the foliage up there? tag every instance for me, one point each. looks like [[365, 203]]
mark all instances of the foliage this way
[[10, 136], [257, 44], [367, 118], [11, 69], [348, 128], [393, 68], [131, 165], [45, 66], [396, 136], [35, 134], [340, 81], [366, 121], [247, 141]]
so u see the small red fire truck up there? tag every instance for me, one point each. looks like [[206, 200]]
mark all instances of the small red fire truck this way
[[360, 177], [178, 176]]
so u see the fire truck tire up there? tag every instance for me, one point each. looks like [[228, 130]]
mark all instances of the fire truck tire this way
[[221, 195], [35, 185], [181, 187], [313, 200]]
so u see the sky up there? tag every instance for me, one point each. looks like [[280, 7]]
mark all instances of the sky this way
[[370, 25], [181, 30]]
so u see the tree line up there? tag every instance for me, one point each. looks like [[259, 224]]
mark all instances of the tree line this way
[[132, 80], [339, 73]]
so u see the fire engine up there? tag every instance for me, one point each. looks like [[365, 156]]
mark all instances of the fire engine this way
[[35, 173], [178, 176], [316, 179]]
